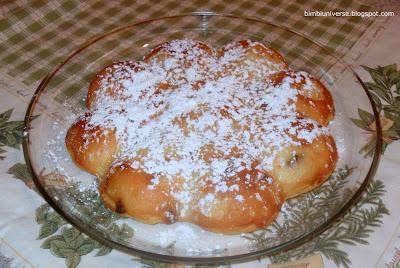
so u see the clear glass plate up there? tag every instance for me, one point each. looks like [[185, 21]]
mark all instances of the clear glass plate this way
[[73, 193]]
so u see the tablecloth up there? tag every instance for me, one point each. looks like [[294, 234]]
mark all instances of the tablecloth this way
[[35, 35]]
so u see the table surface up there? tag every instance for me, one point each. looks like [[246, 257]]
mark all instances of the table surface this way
[[34, 36]]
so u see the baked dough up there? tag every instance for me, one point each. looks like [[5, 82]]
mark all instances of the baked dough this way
[[219, 138], [313, 98]]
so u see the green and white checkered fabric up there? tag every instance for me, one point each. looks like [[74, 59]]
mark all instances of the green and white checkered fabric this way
[[36, 35]]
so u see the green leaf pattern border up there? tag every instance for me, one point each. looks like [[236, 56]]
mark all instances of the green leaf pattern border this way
[[385, 92], [10, 132], [66, 242], [353, 229]]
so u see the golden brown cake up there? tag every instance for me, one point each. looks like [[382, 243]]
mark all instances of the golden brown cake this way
[[216, 138]]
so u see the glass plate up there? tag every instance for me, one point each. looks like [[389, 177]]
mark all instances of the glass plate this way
[[73, 193]]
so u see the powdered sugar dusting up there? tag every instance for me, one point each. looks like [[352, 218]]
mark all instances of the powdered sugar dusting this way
[[186, 116], [181, 232]]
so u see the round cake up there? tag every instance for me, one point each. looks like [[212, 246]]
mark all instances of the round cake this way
[[218, 138]]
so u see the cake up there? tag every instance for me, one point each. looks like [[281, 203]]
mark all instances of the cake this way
[[218, 138]]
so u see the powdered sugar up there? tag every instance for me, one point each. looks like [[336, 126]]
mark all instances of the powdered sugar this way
[[181, 232], [205, 204], [239, 198], [203, 132]]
